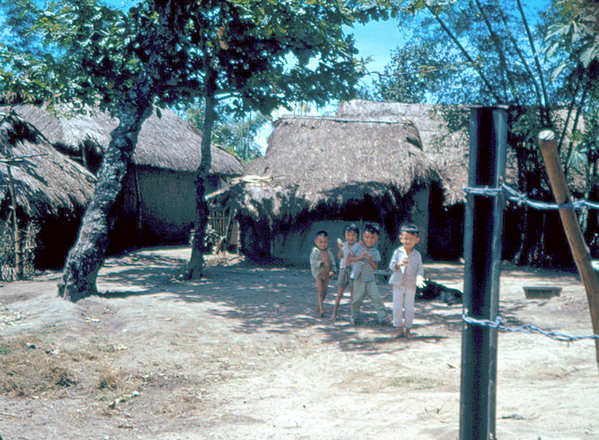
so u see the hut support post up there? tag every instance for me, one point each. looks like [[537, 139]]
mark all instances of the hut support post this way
[[482, 248], [578, 246], [15, 232]]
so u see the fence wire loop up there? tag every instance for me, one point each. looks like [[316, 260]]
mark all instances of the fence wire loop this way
[[522, 199], [498, 325]]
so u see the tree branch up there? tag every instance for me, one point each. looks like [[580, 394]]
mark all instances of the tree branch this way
[[570, 108], [465, 53], [575, 122], [520, 54], [534, 52], [502, 60]]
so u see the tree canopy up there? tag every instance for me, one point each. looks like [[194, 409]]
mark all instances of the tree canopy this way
[[470, 52], [249, 54], [263, 53]]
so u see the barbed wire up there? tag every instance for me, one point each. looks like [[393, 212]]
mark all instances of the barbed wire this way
[[529, 328], [522, 199]]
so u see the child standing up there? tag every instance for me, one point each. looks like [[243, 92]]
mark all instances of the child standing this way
[[343, 280], [322, 264], [408, 272], [366, 259]]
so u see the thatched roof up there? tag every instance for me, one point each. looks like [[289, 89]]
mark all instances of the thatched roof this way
[[448, 150], [333, 160], [46, 182], [446, 141], [316, 155], [166, 142]]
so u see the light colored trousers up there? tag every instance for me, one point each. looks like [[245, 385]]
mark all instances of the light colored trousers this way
[[361, 291], [403, 299]]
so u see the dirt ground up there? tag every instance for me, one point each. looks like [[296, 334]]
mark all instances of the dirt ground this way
[[240, 354]]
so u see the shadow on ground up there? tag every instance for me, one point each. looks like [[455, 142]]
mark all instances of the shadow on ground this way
[[275, 299]]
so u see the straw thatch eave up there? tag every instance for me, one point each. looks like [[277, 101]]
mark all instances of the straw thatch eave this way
[[165, 141], [46, 182]]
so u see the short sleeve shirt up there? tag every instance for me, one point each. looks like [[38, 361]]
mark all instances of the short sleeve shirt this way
[[362, 269]]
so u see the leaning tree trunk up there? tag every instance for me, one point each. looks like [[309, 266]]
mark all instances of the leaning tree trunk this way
[[87, 256], [195, 266]]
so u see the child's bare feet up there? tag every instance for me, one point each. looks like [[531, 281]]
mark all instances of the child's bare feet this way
[[409, 334], [399, 334], [333, 317]]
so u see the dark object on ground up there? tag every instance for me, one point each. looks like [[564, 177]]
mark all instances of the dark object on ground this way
[[436, 291], [541, 292]]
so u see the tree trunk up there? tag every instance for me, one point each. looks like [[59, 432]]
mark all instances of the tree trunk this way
[[87, 255], [195, 266]]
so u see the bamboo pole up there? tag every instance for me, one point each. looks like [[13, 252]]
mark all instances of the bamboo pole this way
[[578, 246], [16, 233]]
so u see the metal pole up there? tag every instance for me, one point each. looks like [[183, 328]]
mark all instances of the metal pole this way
[[482, 249]]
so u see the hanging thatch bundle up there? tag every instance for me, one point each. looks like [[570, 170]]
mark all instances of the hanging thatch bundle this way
[[165, 141], [259, 202]]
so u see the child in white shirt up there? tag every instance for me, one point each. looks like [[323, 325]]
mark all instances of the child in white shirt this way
[[406, 265]]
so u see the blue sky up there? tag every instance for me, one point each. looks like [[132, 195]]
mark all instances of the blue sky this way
[[377, 39]]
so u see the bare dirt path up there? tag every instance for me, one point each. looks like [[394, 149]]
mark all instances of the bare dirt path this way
[[240, 354]]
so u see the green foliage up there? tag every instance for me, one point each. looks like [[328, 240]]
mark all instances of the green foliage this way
[[469, 52], [234, 133], [418, 72], [256, 54], [490, 52], [575, 31], [71, 53]]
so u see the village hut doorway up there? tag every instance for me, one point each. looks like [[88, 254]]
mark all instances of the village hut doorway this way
[[445, 227]]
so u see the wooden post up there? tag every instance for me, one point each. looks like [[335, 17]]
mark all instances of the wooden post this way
[[579, 248]]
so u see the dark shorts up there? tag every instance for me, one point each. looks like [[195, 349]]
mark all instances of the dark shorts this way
[[343, 279]]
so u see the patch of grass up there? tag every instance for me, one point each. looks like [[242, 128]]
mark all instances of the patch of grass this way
[[30, 366]]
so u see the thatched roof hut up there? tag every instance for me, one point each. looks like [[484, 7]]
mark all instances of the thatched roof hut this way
[[326, 168], [49, 187], [336, 159], [165, 141], [158, 200]]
